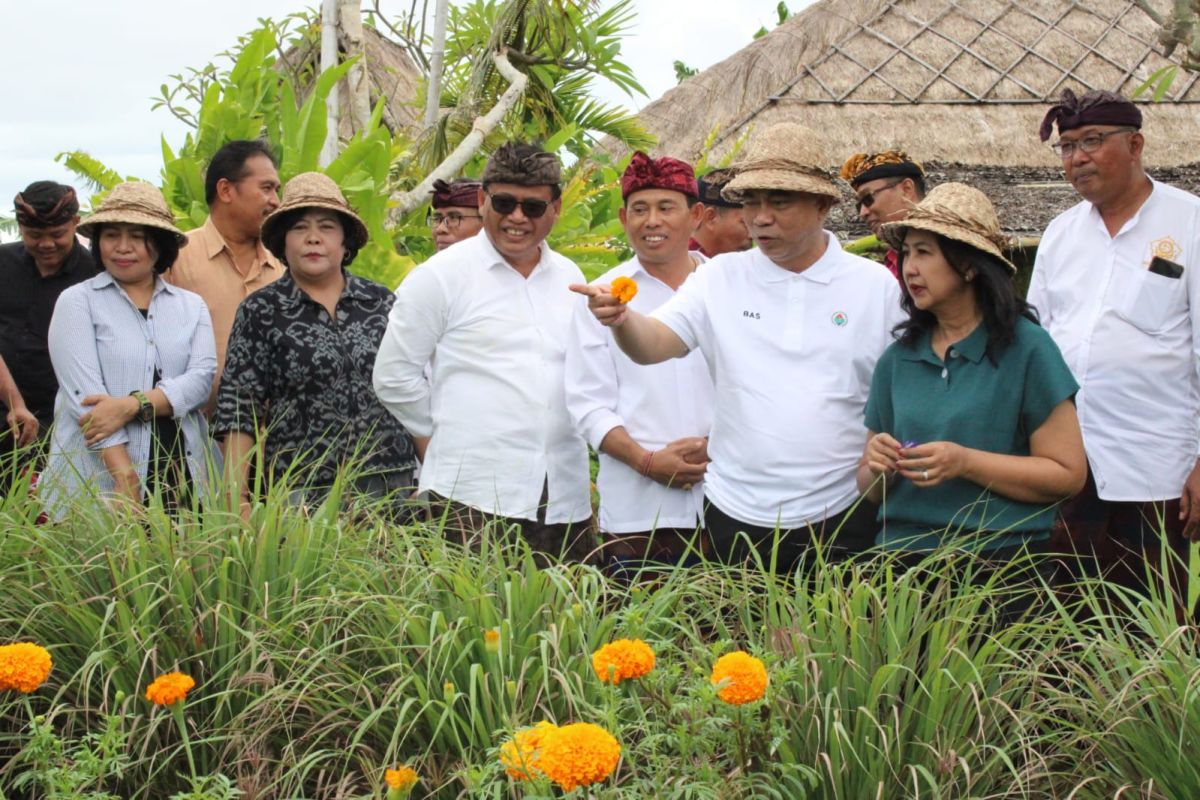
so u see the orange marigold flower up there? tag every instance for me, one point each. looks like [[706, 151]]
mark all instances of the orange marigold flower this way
[[491, 640], [24, 666], [742, 678], [401, 778], [622, 660], [579, 754], [624, 289], [169, 689], [520, 755]]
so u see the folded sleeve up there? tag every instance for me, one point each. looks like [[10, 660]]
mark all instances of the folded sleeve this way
[[415, 326]]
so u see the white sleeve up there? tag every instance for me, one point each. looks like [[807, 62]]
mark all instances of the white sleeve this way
[[686, 314], [590, 375], [415, 326], [1037, 296], [190, 391]]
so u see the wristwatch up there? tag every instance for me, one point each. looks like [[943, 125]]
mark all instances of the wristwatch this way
[[145, 411]]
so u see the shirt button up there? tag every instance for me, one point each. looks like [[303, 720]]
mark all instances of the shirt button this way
[[953, 353], [945, 372]]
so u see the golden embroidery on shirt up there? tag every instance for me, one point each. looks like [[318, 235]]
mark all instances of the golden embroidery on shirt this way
[[1165, 247]]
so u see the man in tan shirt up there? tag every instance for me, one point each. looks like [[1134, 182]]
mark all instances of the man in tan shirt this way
[[226, 260]]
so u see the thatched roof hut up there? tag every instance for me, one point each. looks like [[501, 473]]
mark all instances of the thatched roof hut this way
[[953, 82]]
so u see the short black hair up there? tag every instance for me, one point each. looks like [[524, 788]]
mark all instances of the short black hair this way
[[164, 242], [230, 163], [275, 234]]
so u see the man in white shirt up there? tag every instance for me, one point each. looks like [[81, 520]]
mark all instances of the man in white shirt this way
[[1116, 284], [791, 332], [489, 318], [648, 424]]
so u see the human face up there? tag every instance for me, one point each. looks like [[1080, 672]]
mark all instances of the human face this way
[[314, 245], [514, 235], [884, 200], [1109, 171], [788, 226], [658, 224], [49, 247], [452, 224], [725, 230], [253, 196], [933, 283], [127, 253]]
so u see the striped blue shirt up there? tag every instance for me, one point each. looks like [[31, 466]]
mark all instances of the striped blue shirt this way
[[101, 344]]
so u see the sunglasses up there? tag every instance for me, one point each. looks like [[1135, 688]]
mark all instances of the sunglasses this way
[[505, 204], [868, 199]]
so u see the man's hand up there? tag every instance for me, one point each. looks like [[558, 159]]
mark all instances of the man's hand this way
[[108, 415], [23, 424], [607, 309], [420, 445], [1189, 504], [932, 463], [681, 464]]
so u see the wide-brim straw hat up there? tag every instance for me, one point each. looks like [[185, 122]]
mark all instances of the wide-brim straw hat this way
[[134, 203], [958, 212], [317, 190], [785, 157]]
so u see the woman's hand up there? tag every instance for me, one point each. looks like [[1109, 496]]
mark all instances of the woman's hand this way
[[932, 463], [23, 425], [883, 453], [108, 415]]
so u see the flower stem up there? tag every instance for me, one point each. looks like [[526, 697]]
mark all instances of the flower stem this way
[[177, 713]]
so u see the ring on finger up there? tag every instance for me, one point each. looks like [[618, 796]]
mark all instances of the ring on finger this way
[[924, 474]]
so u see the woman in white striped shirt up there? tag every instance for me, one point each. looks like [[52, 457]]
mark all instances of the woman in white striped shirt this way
[[135, 360]]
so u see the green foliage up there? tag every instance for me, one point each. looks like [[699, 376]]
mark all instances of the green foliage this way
[[683, 71], [782, 14], [64, 772]]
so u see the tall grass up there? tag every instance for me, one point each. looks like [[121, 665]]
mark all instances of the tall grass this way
[[326, 648]]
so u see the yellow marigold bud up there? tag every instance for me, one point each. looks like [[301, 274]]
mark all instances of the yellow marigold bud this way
[[510, 686], [740, 678], [400, 780], [520, 754], [24, 666], [624, 289], [491, 640], [448, 692], [579, 754], [622, 660], [169, 689]]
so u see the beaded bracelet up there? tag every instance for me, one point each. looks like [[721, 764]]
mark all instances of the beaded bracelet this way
[[646, 464]]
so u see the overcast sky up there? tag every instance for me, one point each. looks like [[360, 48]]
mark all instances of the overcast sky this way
[[81, 74]]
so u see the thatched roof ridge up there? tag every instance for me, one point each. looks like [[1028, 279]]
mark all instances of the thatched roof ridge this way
[[947, 80]]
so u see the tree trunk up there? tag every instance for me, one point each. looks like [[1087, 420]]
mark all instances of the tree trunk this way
[[358, 82], [329, 59], [433, 91]]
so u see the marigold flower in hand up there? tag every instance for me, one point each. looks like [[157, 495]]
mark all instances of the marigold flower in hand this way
[[520, 754], [579, 754], [24, 666], [624, 289], [169, 689], [742, 678], [622, 660], [400, 782]]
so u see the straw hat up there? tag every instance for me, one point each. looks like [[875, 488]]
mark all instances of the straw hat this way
[[958, 212], [316, 190], [136, 203], [785, 157]]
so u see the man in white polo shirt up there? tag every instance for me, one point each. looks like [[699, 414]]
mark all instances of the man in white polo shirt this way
[[1116, 284], [791, 332], [648, 424], [489, 317]]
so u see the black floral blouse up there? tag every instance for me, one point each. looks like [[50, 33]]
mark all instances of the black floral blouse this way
[[306, 379]]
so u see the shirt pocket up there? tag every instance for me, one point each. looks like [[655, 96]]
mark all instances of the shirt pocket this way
[[1150, 302]]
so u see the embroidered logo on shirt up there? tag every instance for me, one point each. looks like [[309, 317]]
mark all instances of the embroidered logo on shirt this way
[[840, 319], [751, 315], [1165, 247]]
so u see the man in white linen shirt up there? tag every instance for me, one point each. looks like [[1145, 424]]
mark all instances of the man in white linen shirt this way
[[489, 316], [791, 332], [1116, 284], [647, 423]]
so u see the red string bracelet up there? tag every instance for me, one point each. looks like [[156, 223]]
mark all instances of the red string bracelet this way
[[646, 464]]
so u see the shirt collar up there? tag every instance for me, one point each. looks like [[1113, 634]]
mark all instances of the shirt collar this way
[[821, 271], [355, 288], [103, 280], [1132, 222], [492, 258], [71, 264], [214, 243], [973, 348]]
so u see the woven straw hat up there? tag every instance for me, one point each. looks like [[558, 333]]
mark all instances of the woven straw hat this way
[[958, 212], [785, 157], [316, 190], [137, 203]]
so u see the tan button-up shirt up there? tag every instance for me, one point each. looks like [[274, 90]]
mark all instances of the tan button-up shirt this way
[[206, 267]]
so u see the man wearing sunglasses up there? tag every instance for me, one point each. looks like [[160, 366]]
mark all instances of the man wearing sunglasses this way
[[488, 318], [1116, 285], [886, 185], [454, 215]]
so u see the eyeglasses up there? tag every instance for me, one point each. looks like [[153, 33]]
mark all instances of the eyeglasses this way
[[1088, 144], [505, 204], [868, 199], [452, 220]]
